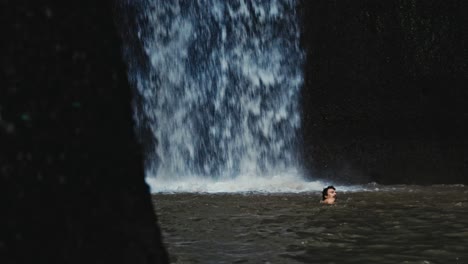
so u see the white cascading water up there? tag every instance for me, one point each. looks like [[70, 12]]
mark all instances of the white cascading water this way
[[222, 95]]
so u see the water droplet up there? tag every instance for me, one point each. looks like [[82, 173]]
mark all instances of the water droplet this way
[[48, 12], [25, 117]]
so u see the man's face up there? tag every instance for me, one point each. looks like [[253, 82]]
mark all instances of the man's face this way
[[331, 193]]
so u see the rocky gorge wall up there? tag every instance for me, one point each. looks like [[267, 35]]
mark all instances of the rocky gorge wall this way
[[70, 165], [385, 91]]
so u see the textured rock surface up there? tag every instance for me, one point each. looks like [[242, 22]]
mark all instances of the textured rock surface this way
[[386, 90], [69, 161]]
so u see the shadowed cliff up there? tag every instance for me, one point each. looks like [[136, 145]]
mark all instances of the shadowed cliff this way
[[70, 165], [385, 90]]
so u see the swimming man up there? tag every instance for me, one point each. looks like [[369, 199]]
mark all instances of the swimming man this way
[[328, 195]]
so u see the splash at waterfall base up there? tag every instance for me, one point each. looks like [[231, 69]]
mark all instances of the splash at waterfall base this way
[[281, 183], [378, 224]]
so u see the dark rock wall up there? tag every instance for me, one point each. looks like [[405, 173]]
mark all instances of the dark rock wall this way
[[70, 166], [132, 22], [386, 89]]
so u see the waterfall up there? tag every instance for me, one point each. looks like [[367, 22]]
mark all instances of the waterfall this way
[[220, 95]]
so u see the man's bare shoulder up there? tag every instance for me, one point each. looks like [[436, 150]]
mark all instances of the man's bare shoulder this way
[[327, 201]]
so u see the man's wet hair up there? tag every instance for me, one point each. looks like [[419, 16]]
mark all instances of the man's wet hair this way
[[325, 191]]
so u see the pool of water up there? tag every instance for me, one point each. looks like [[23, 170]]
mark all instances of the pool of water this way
[[392, 224]]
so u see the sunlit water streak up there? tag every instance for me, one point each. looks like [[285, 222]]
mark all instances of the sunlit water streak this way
[[385, 224], [221, 97]]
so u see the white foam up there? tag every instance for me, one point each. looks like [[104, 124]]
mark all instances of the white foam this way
[[289, 181], [281, 183], [247, 184]]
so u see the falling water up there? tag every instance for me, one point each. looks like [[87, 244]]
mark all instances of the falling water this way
[[221, 95]]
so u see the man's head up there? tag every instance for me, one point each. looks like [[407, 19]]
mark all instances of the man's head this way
[[329, 192]]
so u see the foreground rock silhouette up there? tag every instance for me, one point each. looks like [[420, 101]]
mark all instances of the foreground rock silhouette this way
[[70, 166]]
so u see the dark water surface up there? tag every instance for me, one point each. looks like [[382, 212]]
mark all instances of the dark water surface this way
[[399, 224]]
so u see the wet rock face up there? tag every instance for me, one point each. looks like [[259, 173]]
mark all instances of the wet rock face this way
[[69, 161], [385, 90]]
